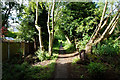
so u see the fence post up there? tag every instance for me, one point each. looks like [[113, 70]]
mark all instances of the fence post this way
[[8, 50], [0, 58], [23, 48]]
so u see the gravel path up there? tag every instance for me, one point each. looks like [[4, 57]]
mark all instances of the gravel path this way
[[61, 70]]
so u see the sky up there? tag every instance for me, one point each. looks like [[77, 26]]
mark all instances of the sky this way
[[14, 15]]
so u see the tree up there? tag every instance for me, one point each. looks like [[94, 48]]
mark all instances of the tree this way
[[109, 28], [38, 28], [28, 31], [51, 31], [78, 19], [7, 8], [54, 14]]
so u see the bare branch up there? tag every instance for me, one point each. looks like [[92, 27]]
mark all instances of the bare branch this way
[[114, 25], [99, 26], [48, 22], [103, 14], [106, 30]]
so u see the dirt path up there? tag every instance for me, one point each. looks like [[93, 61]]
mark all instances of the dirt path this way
[[61, 70]]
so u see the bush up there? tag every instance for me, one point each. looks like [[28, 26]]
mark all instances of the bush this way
[[75, 60], [82, 43], [25, 71], [69, 47], [54, 56], [16, 71], [96, 69], [106, 49], [44, 55]]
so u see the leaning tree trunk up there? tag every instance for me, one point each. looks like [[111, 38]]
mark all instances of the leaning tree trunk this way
[[106, 33], [38, 28], [67, 38]]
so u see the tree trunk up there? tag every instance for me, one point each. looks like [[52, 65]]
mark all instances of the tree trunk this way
[[40, 39], [108, 31], [38, 28], [67, 39], [35, 45], [51, 32], [50, 44], [88, 48], [99, 26]]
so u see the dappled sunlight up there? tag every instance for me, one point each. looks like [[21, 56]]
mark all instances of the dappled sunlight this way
[[57, 39], [62, 62], [43, 63], [68, 55]]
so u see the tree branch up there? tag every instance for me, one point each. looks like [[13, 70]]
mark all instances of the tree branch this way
[[106, 30], [99, 26], [48, 22]]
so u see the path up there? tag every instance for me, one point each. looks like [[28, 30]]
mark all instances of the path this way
[[61, 70]]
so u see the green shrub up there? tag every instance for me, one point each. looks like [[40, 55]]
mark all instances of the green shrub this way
[[82, 43], [69, 47], [106, 49], [16, 71], [42, 55], [25, 71], [54, 56], [39, 72], [75, 60], [96, 69]]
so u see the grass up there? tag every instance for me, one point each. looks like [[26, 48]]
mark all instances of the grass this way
[[75, 60], [26, 71]]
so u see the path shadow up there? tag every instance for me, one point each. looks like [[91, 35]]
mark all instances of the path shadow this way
[[63, 72], [66, 73], [68, 55]]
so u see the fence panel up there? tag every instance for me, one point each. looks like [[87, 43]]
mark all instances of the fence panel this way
[[9, 49], [14, 48], [4, 51]]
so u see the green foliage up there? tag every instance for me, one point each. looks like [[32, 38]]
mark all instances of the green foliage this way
[[81, 44], [6, 9], [56, 45], [86, 25], [75, 60], [54, 56], [78, 19], [15, 71], [107, 48], [96, 68], [27, 31], [59, 35], [25, 71], [69, 47], [40, 72], [44, 55], [11, 34]]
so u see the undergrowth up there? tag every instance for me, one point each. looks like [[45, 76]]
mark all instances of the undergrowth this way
[[44, 55], [25, 71]]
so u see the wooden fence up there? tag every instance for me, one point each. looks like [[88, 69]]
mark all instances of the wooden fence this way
[[10, 48]]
